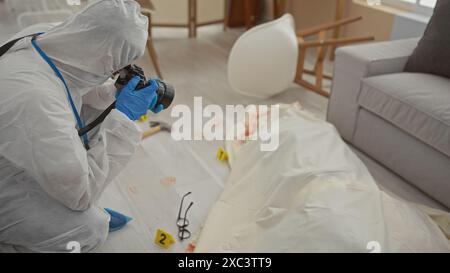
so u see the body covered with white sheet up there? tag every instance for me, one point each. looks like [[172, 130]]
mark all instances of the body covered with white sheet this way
[[311, 195]]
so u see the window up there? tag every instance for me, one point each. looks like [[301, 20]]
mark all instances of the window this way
[[418, 6]]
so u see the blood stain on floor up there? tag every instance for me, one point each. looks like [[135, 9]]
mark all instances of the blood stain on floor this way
[[190, 248], [133, 189], [170, 180]]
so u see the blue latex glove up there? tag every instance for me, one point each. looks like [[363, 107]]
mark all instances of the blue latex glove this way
[[118, 220], [135, 103], [157, 109]]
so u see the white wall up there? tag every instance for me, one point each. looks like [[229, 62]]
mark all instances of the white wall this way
[[408, 26], [176, 11]]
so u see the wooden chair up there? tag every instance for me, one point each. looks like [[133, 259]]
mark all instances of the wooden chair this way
[[147, 10], [280, 6], [322, 44]]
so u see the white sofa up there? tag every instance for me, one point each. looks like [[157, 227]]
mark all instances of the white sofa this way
[[400, 119]]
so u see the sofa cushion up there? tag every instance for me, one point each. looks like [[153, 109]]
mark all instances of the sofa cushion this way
[[433, 52], [416, 103]]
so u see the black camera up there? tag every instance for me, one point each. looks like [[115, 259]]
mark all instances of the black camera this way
[[165, 92]]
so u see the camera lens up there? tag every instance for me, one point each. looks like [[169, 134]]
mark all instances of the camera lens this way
[[166, 94]]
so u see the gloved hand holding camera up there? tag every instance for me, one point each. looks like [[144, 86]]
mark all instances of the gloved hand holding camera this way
[[136, 96], [134, 102], [132, 82]]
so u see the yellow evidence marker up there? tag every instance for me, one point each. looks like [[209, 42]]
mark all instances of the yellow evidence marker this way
[[164, 239], [143, 118], [222, 155]]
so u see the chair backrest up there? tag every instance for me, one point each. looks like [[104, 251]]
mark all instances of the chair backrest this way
[[263, 62]]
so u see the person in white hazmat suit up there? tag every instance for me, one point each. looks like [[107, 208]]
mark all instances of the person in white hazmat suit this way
[[49, 181]]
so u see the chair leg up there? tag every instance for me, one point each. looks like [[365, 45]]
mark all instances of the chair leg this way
[[337, 31], [317, 72], [151, 48], [154, 57], [300, 64], [313, 88], [318, 69], [192, 14]]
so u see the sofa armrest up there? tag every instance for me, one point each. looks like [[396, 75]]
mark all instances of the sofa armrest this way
[[352, 65]]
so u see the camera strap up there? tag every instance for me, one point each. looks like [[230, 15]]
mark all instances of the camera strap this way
[[83, 130], [55, 69], [10, 44], [6, 47]]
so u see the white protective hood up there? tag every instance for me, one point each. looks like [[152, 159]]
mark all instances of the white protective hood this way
[[105, 37]]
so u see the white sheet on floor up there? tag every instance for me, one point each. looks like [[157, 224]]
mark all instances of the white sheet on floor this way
[[311, 195], [142, 194]]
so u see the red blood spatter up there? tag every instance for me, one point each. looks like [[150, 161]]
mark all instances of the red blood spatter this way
[[190, 248], [133, 189], [170, 180]]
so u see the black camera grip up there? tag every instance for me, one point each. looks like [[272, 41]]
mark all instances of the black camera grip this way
[[97, 121]]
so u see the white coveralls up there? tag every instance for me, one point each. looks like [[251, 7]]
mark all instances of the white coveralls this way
[[49, 183]]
